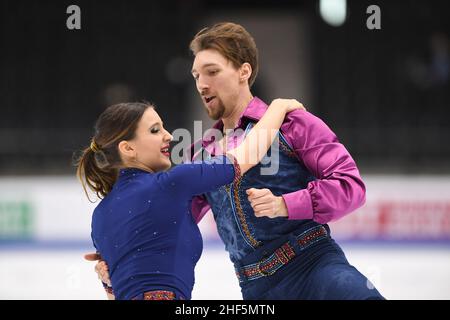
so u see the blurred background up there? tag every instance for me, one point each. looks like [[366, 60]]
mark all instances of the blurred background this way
[[384, 92]]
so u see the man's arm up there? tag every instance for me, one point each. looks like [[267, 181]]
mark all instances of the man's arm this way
[[338, 189]]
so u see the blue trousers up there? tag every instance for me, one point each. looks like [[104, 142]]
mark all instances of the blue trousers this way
[[320, 272]]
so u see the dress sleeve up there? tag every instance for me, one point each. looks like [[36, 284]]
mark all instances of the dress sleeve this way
[[195, 178], [107, 288]]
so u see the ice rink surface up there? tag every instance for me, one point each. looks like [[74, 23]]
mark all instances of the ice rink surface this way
[[398, 208], [398, 271]]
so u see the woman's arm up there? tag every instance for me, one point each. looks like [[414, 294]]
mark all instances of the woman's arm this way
[[258, 141], [197, 178]]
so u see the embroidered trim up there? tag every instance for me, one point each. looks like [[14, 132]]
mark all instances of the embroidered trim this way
[[156, 295], [240, 212], [237, 168], [281, 256], [255, 243], [285, 147]]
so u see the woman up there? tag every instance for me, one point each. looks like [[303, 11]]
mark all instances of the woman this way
[[143, 227]]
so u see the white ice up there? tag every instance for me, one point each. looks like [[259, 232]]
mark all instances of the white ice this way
[[399, 272]]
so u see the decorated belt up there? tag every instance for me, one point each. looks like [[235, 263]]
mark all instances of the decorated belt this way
[[158, 295], [280, 256]]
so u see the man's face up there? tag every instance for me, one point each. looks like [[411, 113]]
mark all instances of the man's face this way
[[217, 82]]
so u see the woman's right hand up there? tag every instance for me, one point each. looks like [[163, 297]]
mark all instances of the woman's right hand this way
[[288, 105]]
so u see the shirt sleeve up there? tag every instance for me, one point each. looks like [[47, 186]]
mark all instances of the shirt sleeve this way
[[339, 188], [195, 178], [200, 207]]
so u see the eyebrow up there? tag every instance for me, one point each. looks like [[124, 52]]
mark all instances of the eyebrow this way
[[205, 66], [161, 123]]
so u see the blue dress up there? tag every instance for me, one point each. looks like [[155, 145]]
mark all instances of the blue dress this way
[[144, 229]]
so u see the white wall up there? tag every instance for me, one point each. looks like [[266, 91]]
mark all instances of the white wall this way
[[397, 208]]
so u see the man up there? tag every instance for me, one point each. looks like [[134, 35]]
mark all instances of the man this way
[[274, 225]]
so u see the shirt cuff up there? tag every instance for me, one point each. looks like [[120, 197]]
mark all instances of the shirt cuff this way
[[299, 205]]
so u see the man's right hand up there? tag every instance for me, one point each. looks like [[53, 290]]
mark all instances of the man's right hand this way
[[101, 268]]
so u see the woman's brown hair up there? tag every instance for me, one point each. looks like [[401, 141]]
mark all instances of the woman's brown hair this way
[[98, 166]]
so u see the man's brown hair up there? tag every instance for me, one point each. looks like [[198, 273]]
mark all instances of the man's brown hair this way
[[232, 41]]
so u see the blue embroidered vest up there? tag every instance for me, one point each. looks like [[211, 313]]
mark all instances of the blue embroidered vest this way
[[240, 230]]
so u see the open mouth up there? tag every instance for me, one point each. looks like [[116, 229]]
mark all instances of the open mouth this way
[[209, 99], [165, 151]]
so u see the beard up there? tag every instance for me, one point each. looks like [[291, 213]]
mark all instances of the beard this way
[[217, 112]]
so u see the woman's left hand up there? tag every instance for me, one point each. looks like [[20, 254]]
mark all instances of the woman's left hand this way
[[289, 105], [265, 204]]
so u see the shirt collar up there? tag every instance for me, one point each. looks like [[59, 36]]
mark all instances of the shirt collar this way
[[255, 110]]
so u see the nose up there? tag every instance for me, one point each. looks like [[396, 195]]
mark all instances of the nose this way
[[202, 86], [168, 137]]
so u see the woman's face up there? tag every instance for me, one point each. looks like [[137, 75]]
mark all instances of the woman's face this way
[[149, 149]]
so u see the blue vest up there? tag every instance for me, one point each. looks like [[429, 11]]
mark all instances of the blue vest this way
[[238, 227]]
